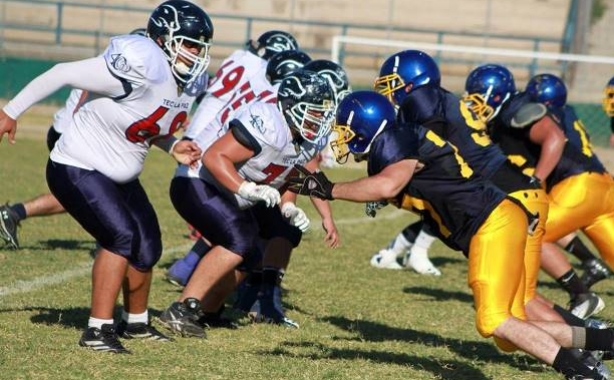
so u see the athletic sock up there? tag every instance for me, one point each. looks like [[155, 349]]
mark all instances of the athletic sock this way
[[572, 283], [97, 322], [135, 318], [20, 210], [577, 248]]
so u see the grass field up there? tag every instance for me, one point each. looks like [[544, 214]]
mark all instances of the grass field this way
[[356, 322]]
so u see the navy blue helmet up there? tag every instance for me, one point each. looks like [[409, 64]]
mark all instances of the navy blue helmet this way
[[404, 72], [272, 42], [487, 87], [547, 89], [283, 63], [178, 26], [360, 117], [334, 73], [307, 102]]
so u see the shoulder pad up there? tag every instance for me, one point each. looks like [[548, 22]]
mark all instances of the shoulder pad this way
[[528, 114]]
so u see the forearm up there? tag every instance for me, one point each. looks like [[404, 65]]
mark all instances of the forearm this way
[[166, 143], [549, 157], [323, 208], [361, 190]]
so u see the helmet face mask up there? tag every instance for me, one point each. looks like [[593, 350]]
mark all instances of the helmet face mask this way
[[308, 104], [184, 32], [494, 84], [608, 98], [404, 72]]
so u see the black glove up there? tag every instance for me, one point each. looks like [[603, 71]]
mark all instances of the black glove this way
[[312, 184]]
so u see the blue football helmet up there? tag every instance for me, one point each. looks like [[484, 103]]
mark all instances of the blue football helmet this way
[[487, 88], [404, 72], [307, 102], [547, 89], [178, 26], [361, 116], [333, 73], [608, 98], [272, 42], [283, 63]]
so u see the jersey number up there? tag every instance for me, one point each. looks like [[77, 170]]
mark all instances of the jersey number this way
[[148, 127], [229, 81]]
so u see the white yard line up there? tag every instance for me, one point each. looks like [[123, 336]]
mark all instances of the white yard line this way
[[36, 283]]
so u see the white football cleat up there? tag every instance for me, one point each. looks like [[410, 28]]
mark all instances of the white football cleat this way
[[385, 259], [421, 265]]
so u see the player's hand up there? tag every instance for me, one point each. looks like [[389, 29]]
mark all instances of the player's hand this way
[[296, 216], [7, 126], [314, 184], [612, 140], [371, 208], [257, 193], [332, 235], [186, 152]]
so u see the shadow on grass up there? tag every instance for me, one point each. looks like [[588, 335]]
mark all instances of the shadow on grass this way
[[439, 294], [440, 368], [444, 261], [71, 317], [481, 351], [70, 245]]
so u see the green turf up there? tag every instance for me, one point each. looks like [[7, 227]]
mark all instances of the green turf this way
[[356, 322]]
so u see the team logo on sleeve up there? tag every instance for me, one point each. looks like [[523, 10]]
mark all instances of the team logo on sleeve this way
[[119, 63], [257, 123]]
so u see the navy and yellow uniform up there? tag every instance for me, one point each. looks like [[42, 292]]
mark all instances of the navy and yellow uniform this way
[[449, 117], [469, 213], [581, 191]]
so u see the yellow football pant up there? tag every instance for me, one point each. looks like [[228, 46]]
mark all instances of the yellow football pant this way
[[585, 202], [496, 269], [536, 202]]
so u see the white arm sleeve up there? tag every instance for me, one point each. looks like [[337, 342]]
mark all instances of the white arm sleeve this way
[[89, 74]]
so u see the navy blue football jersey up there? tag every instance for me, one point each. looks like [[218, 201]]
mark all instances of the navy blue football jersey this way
[[578, 156], [449, 117], [445, 191]]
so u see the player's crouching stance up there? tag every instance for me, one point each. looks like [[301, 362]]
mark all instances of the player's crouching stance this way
[[413, 168], [233, 201], [141, 90]]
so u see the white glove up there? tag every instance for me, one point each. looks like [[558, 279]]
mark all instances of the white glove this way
[[297, 217], [257, 193]]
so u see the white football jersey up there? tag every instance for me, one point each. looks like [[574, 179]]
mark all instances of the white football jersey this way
[[240, 67], [63, 117], [257, 89], [113, 135], [278, 154]]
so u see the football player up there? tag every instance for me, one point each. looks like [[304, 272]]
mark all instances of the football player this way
[[608, 106], [234, 205], [277, 255], [581, 170], [341, 84], [533, 139], [139, 93], [45, 204], [234, 75], [412, 167]]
